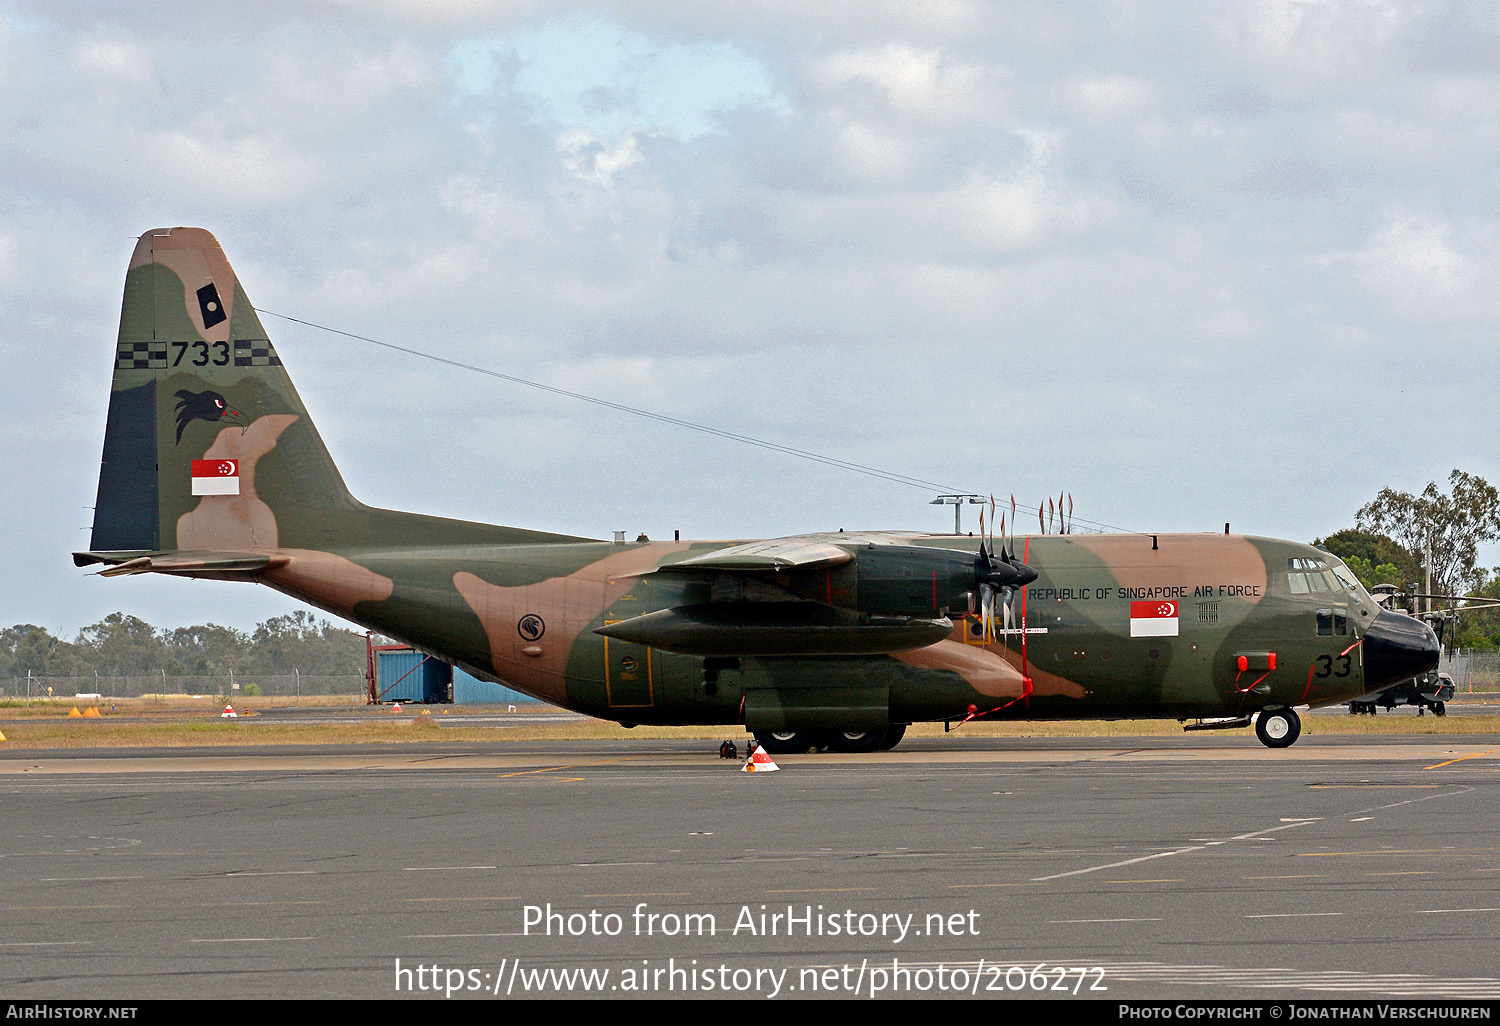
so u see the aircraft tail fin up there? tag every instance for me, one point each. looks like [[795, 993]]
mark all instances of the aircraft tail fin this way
[[207, 444], [208, 448]]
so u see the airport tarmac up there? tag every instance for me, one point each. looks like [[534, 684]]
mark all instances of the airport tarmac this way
[[1202, 867]]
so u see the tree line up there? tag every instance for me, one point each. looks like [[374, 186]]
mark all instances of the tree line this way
[[1400, 538], [124, 645]]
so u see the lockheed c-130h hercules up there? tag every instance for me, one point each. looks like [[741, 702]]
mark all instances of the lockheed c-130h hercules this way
[[212, 468]]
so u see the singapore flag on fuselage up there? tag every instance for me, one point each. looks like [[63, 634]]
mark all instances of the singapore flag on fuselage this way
[[1156, 619], [216, 477]]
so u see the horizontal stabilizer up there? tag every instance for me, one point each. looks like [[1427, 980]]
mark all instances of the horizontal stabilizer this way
[[776, 629], [189, 563]]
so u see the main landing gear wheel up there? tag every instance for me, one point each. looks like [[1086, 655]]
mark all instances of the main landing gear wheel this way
[[853, 740], [1278, 728], [1440, 709], [893, 735], [785, 742]]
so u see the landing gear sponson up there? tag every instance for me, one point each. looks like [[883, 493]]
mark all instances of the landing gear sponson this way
[[790, 742]]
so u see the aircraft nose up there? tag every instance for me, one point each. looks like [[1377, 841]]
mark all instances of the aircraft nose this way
[[1397, 648]]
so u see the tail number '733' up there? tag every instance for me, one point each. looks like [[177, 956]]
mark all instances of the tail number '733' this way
[[202, 358]]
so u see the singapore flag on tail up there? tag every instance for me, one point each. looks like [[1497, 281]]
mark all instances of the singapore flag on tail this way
[[220, 477], [1156, 619]]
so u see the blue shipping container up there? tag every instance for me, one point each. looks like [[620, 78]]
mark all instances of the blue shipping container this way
[[470, 690], [421, 679]]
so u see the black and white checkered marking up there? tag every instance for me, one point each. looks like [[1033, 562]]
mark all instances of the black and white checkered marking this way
[[150, 355], [255, 352]]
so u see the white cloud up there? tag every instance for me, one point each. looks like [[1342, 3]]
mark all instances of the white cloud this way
[[1411, 264], [911, 81], [116, 58], [1317, 41], [593, 160], [1109, 96]]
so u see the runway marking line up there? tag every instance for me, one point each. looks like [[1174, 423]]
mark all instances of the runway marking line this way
[[1434, 911], [1068, 921], [236, 904], [959, 887], [1302, 876], [493, 897], [821, 890], [1406, 872], [244, 940], [1398, 851], [646, 894], [1291, 915], [1462, 758], [441, 869], [565, 766], [1163, 880], [1251, 836], [58, 908]]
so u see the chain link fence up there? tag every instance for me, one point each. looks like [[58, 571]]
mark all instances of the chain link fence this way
[[1472, 671], [279, 684]]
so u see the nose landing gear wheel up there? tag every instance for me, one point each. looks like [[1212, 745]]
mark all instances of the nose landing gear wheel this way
[[1278, 728]]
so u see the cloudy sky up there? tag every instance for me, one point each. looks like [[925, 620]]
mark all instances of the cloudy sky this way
[[1192, 262]]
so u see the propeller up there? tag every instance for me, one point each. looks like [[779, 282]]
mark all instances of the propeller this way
[[998, 575]]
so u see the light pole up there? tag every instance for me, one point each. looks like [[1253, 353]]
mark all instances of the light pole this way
[[957, 502]]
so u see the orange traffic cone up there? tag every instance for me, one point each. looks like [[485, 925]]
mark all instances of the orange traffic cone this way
[[760, 761], [395, 707], [92, 711], [74, 712], [229, 713]]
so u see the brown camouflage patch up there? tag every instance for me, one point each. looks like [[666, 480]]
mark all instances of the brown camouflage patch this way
[[243, 521], [195, 257], [567, 605], [328, 581], [1179, 560]]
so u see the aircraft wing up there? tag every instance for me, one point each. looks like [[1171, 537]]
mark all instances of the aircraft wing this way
[[776, 556], [843, 594]]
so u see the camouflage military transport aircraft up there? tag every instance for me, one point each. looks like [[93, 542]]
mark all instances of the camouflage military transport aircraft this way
[[212, 468]]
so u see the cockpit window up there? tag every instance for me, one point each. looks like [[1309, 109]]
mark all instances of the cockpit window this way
[[1306, 575]]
